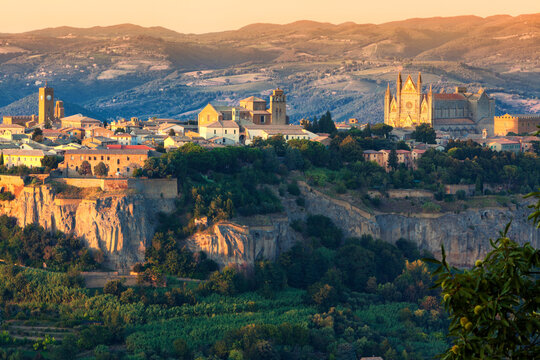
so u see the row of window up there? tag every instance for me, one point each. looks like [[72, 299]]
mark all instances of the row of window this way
[[102, 158], [215, 132], [117, 169]]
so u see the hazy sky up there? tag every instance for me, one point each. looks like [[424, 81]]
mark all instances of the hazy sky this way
[[200, 16]]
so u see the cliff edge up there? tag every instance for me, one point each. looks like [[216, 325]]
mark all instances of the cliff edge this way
[[120, 224]]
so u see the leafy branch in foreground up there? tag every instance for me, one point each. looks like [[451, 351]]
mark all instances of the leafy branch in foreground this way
[[493, 307]]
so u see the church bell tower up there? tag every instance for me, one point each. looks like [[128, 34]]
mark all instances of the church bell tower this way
[[278, 107], [46, 104]]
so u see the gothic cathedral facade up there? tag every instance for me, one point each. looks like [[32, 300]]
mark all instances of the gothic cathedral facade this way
[[459, 113]]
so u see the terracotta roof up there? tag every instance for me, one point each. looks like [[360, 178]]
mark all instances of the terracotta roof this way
[[504, 141], [108, 152], [223, 124], [260, 112], [20, 152], [168, 125], [128, 147], [253, 98], [284, 131], [445, 96], [371, 152], [7, 126], [79, 117], [52, 132], [262, 127]]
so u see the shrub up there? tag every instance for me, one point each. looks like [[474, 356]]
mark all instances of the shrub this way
[[461, 194], [341, 188], [101, 169], [431, 207], [293, 189], [6, 195], [114, 287]]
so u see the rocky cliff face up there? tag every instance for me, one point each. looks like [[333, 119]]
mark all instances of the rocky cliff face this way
[[230, 243], [119, 225], [122, 226], [465, 235]]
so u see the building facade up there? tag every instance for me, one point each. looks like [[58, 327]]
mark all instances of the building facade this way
[[227, 131], [46, 105], [518, 124], [28, 158], [252, 110], [79, 121], [121, 163], [460, 112]]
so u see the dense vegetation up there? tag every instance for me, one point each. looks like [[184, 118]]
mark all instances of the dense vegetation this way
[[36, 247], [272, 313]]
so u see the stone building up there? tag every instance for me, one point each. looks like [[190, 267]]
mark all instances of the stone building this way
[[59, 110], [252, 110], [9, 129], [79, 121], [289, 132], [19, 157], [228, 131], [518, 124], [23, 120], [505, 145], [120, 163], [459, 113], [46, 105]]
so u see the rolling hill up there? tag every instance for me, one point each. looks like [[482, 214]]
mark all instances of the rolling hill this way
[[128, 70]]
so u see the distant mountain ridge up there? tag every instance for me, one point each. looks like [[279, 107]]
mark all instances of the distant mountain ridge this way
[[130, 70]]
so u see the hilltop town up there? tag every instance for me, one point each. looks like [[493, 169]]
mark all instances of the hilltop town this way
[[79, 146], [239, 235]]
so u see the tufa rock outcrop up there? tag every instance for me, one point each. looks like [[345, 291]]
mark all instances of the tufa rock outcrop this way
[[230, 243], [465, 235], [122, 225]]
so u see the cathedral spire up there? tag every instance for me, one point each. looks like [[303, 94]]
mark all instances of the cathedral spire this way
[[387, 88], [419, 84]]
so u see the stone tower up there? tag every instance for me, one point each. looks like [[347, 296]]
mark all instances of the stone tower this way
[[278, 107], [46, 105], [59, 110]]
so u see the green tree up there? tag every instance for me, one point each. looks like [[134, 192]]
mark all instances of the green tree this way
[[493, 306], [85, 169], [37, 135], [51, 161], [172, 133], [114, 287], [350, 149], [101, 169], [181, 349], [393, 160], [326, 124], [382, 130], [424, 133]]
